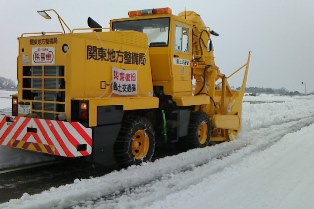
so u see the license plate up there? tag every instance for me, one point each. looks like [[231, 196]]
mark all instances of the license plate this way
[[24, 109]]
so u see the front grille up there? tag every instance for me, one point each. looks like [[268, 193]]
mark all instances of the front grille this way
[[44, 88]]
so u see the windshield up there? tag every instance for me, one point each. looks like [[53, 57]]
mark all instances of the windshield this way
[[157, 30]]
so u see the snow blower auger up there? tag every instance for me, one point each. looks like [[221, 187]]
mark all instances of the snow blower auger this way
[[111, 94]]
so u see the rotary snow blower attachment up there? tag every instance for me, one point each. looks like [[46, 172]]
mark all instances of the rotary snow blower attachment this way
[[225, 105], [112, 94]]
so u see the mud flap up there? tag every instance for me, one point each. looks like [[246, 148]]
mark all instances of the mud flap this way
[[104, 138]]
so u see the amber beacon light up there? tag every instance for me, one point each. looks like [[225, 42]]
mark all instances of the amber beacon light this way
[[157, 11]]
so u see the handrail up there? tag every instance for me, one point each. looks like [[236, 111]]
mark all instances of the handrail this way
[[246, 65], [82, 29], [235, 72], [40, 33], [246, 73], [58, 32]]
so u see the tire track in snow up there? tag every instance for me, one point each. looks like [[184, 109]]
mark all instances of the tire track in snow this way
[[209, 161], [255, 140]]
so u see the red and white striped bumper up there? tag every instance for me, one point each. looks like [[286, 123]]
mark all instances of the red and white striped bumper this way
[[68, 139]]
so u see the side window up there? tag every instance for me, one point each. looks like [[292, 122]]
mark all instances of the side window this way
[[182, 39]]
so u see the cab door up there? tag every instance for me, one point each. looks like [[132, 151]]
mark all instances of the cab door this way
[[182, 56]]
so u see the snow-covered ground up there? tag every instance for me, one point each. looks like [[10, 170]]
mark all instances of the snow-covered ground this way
[[5, 101], [270, 165]]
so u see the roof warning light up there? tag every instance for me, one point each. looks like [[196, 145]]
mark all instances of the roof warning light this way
[[157, 11]]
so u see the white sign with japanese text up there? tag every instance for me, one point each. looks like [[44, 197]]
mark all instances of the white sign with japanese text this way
[[182, 62], [43, 55], [124, 82]]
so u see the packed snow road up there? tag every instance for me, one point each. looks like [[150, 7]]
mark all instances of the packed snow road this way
[[264, 168]]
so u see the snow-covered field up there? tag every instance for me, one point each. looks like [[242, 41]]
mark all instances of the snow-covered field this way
[[5, 101], [270, 165]]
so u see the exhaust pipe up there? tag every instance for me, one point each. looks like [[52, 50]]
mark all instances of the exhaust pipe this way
[[93, 24]]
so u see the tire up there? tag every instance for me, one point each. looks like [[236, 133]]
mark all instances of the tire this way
[[199, 130], [136, 141]]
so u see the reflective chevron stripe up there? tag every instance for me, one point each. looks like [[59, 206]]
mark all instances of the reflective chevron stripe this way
[[46, 136], [44, 148]]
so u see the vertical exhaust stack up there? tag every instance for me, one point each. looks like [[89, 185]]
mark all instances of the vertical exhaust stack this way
[[93, 24]]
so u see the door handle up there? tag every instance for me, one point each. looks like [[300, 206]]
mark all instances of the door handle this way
[[175, 56]]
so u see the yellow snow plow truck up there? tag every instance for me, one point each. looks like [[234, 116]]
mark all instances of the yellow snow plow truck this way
[[111, 94]]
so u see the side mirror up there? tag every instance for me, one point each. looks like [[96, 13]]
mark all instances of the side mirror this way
[[93, 24], [214, 33], [210, 46]]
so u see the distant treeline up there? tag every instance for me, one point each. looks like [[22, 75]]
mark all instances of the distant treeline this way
[[7, 84], [281, 91]]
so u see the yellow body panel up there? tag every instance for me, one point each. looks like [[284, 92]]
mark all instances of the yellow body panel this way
[[128, 103], [160, 62], [231, 122], [191, 100], [88, 75]]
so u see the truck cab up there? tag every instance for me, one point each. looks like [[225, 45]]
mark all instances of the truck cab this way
[[170, 47]]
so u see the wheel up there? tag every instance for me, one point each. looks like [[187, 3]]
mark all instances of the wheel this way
[[199, 130], [136, 141]]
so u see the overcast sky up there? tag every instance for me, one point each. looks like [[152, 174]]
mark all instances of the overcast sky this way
[[280, 33]]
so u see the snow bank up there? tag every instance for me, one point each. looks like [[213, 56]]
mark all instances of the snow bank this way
[[258, 115], [268, 98]]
